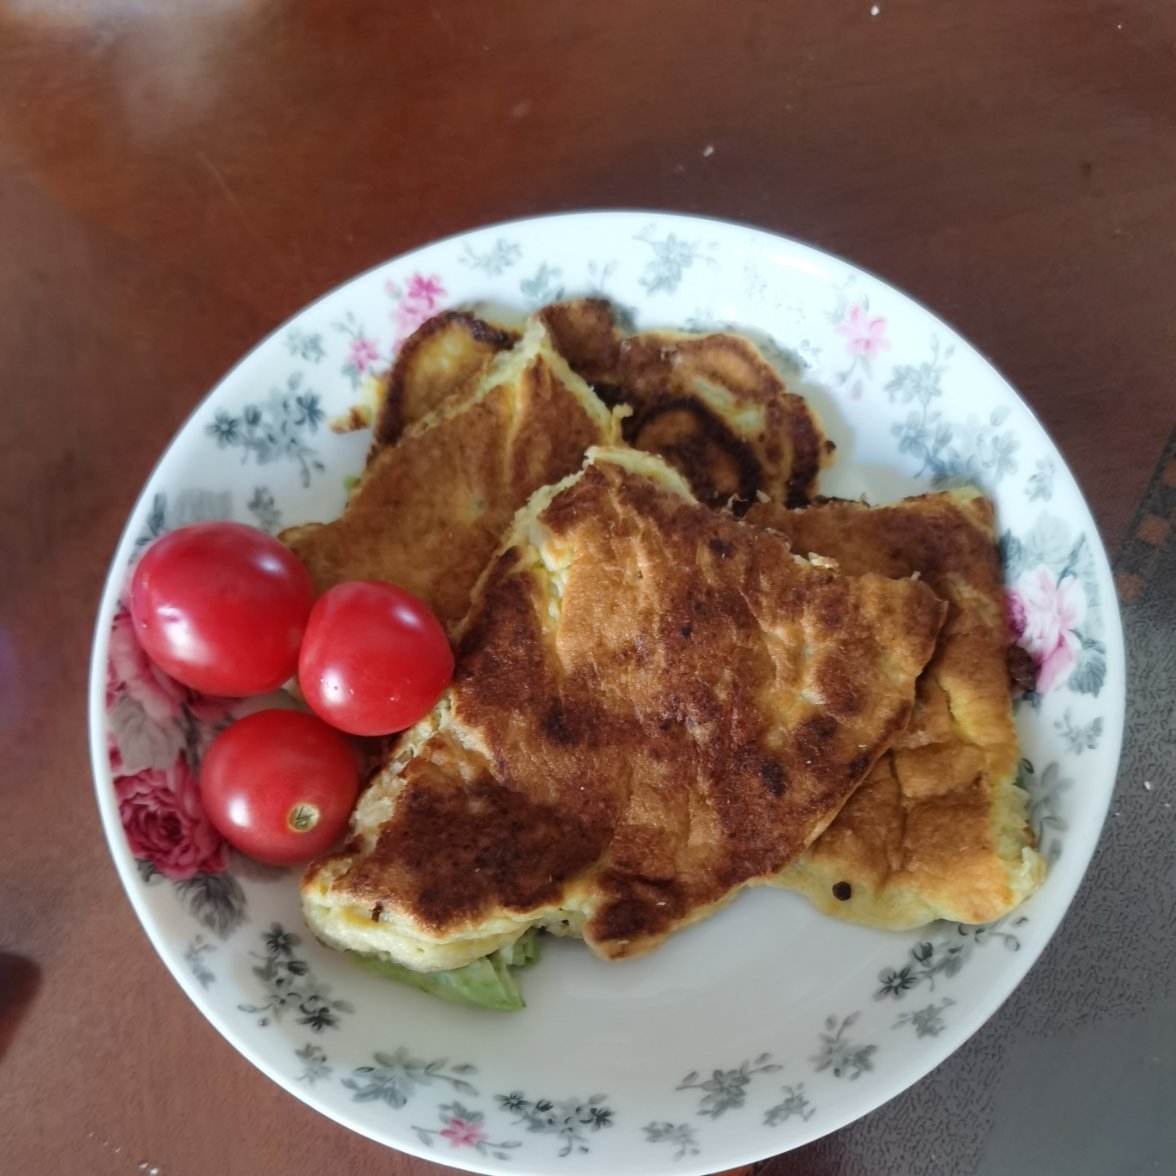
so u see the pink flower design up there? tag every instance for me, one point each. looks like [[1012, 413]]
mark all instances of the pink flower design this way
[[112, 746], [418, 301], [426, 290], [165, 712], [165, 823], [865, 336], [1043, 614], [363, 353], [463, 1132], [130, 669], [1015, 614]]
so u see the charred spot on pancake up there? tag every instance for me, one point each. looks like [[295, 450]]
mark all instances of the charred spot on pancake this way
[[501, 848], [377, 911], [389, 422], [807, 454], [859, 764], [813, 737], [831, 613], [839, 689], [902, 716], [611, 394], [1022, 669], [718, 464], [560, 726], [480, 666], [622, 920], [642, 906], [842, 891], [772, 772], [688, 393], [583, 332]]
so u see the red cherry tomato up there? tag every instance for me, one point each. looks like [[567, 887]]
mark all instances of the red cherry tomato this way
[[279, 785], [221, 607], [374, 658]]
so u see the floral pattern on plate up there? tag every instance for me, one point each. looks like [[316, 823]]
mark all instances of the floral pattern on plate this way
[[1053, 606], [725, 1090], [840, 1053], [289, 986], [944, 955], [420, 297], [864, 336], [571, 1120], [276, 428], [462, 1127], [396, 1077], [680, 1136], [977, 449], [795, 1103], [900, 393], [927, 1021], [157, 733]]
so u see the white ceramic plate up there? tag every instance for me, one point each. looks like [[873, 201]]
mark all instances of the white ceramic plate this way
[[758, 1030]]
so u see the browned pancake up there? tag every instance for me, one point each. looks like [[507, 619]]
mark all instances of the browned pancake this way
[[654, 706], [710, 404], [429, 511], [444, 357], [938, 828]]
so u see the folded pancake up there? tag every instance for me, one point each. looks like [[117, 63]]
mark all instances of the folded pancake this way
[[446, 356], [654, 706], [710, 404], [938, 829], [429, 511]]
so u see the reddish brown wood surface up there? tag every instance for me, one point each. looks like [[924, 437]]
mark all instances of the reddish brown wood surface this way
[[173, 186]]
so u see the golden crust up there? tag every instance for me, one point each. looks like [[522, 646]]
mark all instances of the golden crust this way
[[429, 512], [654, 706], [710, 404], [938, 829]]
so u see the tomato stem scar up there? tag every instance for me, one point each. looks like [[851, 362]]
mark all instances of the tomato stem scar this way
[[303, 817]]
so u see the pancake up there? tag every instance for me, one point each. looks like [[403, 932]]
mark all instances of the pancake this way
[[710, 404], [446, 356], [654, 706], [938, 829], [429, 511]]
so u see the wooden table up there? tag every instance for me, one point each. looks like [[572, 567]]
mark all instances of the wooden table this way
[[173, 186]]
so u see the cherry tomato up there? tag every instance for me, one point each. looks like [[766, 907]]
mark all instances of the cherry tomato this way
[[374, 658], [279, 785], [221, 607]]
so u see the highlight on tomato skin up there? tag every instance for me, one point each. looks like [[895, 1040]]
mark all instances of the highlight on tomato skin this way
[[374, 658], [279, 785], [221, 607]]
